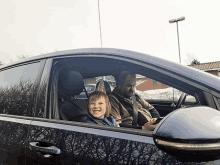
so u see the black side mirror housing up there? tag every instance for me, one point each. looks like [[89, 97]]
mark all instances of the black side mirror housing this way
[[190, 134]]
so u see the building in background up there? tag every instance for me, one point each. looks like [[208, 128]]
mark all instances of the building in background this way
[[210, 67], [149, 84], [144, 84]]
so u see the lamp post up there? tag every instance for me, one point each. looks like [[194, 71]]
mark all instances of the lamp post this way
[[177, 20]]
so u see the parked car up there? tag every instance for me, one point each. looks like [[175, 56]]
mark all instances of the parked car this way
[[90, 88], [33, 129]]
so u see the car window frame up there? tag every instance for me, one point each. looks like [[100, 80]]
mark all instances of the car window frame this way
[[125, 130], [159, 70], [87, 125], [46, 72]]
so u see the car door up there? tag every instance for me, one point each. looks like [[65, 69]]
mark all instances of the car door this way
[[54, 140], [18, 87]]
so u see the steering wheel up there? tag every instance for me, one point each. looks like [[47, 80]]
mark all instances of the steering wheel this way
[[181, 100]]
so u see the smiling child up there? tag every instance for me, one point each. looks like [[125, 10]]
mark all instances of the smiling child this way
[[99, 107]]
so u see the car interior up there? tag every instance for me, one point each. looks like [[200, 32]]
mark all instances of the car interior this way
[[67, 83]]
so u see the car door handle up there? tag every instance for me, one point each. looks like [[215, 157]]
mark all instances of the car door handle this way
[[44, 147]]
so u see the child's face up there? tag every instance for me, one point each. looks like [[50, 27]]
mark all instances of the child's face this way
[[97, 108]]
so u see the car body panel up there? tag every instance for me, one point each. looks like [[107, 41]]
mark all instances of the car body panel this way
[[89, 144], [13, 134]]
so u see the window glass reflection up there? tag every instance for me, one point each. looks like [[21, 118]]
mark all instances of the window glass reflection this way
[[18, 89]]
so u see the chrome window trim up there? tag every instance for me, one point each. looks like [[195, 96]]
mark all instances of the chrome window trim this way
[[16, 118], [115, 132], [188, 146], [19, 64]]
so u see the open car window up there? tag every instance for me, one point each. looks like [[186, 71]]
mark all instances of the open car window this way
[[151, 84], [163, 97], [154, 90]]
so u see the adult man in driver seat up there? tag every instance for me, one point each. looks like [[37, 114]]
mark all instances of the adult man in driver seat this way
[[125, 102]]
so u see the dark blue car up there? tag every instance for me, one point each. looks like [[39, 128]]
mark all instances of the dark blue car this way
[[34, 130]]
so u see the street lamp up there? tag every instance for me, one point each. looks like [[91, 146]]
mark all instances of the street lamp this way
[[173, 21]]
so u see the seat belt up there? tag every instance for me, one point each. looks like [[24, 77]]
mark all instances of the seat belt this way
[[97, 122], [135, 111]]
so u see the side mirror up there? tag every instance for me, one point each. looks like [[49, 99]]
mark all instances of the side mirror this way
[[190, 134]]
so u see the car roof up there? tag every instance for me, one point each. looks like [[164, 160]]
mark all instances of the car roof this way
[[175, 68]]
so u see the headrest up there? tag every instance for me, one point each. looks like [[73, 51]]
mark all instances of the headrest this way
[[103, 86], [70, 82]]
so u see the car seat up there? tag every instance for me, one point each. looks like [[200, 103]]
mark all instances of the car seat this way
[[103, 86], [70, 85]]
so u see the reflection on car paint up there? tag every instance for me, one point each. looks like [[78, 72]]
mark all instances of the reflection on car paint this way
[[87, 148], [12, 139]]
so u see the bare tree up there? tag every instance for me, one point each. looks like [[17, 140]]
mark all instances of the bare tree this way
[[195, 62], [19, 57], [190, 57]]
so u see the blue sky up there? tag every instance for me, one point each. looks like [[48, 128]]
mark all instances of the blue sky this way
[[37, 27]]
